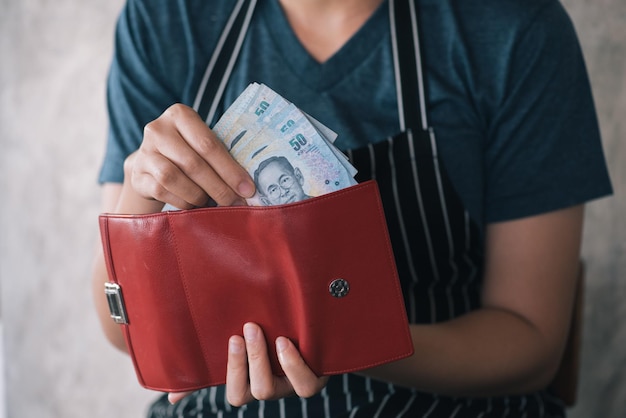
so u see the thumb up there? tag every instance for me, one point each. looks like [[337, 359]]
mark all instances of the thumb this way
[[174, 397]]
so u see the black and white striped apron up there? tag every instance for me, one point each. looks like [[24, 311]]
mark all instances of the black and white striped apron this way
[[437, 246]]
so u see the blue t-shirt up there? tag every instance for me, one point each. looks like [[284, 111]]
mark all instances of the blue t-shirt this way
[[507, 95], [507, 91]]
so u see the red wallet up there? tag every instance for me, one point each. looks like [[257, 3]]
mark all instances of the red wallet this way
[[320, 272]]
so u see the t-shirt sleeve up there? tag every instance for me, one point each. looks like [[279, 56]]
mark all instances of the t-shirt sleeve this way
[[137, 89], [543, 149]]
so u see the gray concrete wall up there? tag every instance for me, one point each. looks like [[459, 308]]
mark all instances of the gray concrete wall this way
[[54, 57]]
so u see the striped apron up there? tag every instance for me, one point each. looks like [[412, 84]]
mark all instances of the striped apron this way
[[438, 248]]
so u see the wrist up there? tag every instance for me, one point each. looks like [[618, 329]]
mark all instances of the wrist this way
[[131, 202]]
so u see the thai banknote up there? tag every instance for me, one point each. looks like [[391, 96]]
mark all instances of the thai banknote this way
[[259, 111], [288, 153], [289, 161], [236, 109]]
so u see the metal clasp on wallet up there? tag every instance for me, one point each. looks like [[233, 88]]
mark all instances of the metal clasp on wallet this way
[[113, 291]]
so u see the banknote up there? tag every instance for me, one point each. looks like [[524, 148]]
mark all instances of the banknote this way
[[260, 111], [290, 161], [289, 154], [329, 136], [255, 105], [223, 126]]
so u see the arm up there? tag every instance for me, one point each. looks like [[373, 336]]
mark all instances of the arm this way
[[116, 198], [110, 195], [514, 343], [180, 162]]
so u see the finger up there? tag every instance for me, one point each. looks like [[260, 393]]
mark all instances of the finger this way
[[158, 178], [156, 166], [177, 396], [205, 143], [262, 380], [170, 158], [179, 147], [304, 382], [237, 387]]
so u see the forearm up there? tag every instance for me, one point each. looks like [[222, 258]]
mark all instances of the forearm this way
[[488, 352], [111, 330], [116, 199], [514, 343]]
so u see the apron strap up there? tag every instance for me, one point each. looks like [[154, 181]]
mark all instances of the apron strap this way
[[223, 60], [407, 64]]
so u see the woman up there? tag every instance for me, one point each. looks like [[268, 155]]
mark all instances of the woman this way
[[476, 119]]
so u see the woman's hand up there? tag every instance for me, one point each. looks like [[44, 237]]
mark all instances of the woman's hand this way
[[249, 373], [513, 344], [183, 163]]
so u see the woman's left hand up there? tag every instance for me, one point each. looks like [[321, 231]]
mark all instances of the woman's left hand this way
[[249, 373]]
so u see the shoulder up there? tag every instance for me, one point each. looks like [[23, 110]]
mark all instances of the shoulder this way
[[489, 36], [168, 10], [496, 11], [487, 45], [169, 41], [155, 25], [506, 78], [492, 21], [171, 18]]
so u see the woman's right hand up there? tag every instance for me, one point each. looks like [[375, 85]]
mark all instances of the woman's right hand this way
[[180, 162], [183, 163]]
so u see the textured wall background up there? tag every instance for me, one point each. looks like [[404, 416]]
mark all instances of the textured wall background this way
[[54, 57]]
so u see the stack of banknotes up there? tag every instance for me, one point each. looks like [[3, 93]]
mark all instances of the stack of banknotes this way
[[289, 154]]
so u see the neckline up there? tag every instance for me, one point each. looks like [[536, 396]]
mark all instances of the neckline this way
[[321, 76]]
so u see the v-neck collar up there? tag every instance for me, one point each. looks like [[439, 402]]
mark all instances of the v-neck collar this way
[[321, 76]]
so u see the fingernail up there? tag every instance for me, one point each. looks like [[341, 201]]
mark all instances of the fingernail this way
[[249, 332], [281, 344], [234, 345], [170, 398], [246, 189]]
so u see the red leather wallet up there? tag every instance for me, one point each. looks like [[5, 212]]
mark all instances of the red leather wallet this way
[[320, 272]]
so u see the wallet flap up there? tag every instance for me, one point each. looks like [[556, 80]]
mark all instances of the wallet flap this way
[[320, 271]]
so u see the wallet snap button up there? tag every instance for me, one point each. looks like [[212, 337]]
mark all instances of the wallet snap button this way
[[339, 288]]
